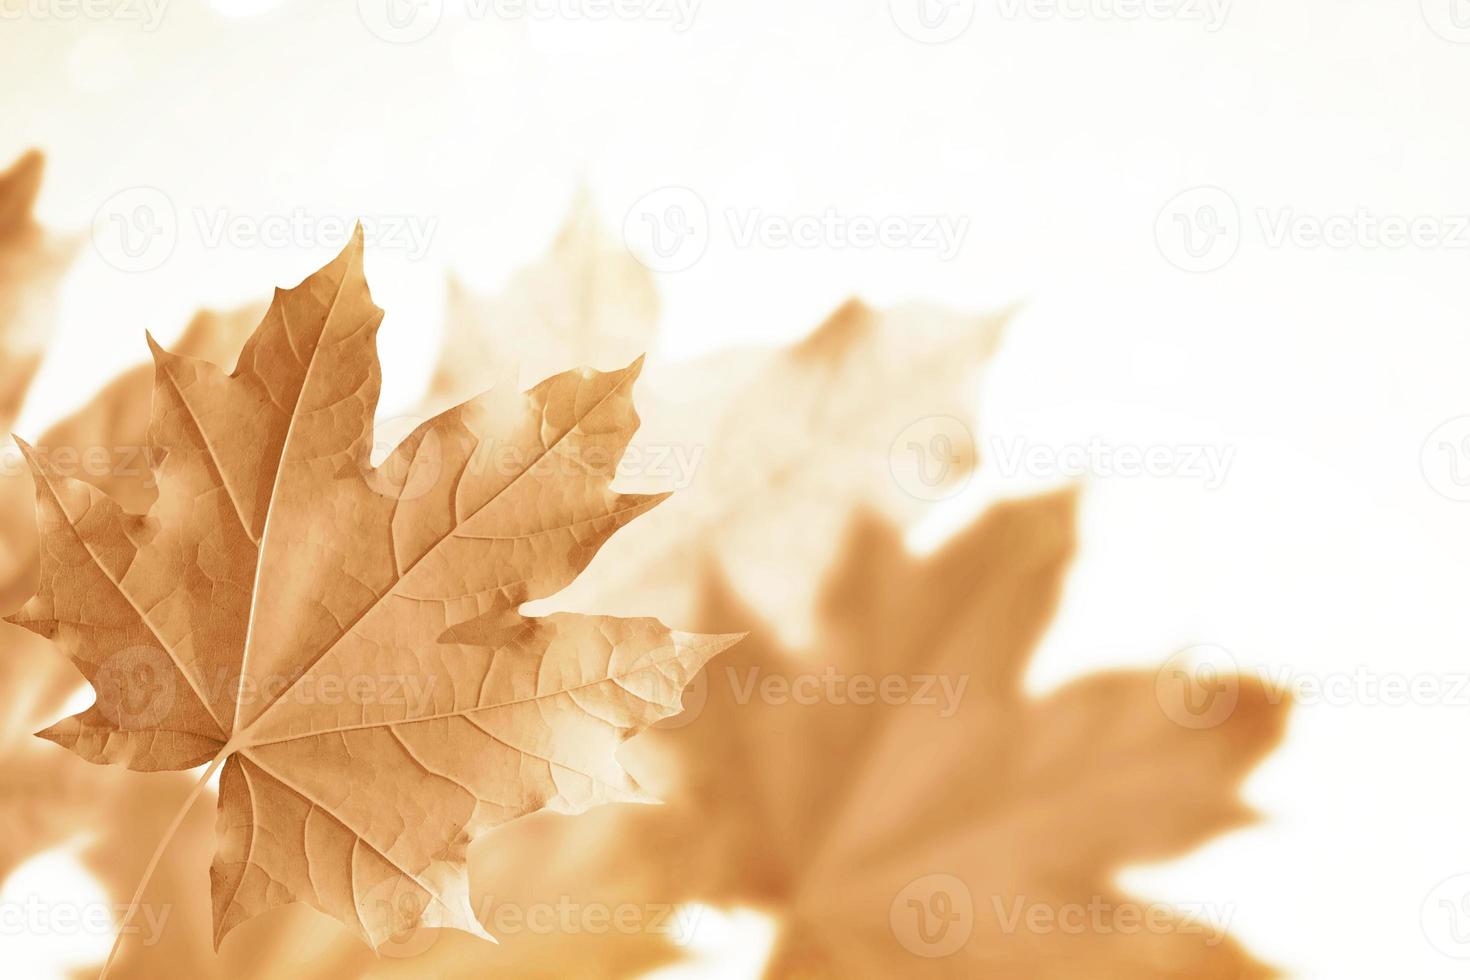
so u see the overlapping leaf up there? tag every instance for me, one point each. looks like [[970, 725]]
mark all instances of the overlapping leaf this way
[[835, 817], [32, 261], [771, 449], [587, 304], [901, 807], [49, 798], [345, 640]]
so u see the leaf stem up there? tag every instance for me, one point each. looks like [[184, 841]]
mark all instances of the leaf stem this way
[[168, 836]]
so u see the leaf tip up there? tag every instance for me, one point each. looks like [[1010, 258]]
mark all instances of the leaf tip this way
[[724, 641], [32, 161], [28, 452], [704, 647], [154, 347], [23, 179], [350, 258], [838, 333], [648, 501]]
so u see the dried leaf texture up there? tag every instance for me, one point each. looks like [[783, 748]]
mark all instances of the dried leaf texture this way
[[47, 797], [901, 834], [105, 444], [588, 303], [117, 420], [31, 265], [346, 639], [771, 450]]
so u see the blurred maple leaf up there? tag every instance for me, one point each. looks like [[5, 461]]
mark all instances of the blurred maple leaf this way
[[771, 450], [913, 832], [32, 262], [588, 303]]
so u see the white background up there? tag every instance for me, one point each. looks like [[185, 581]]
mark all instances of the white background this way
[[1330, 549]]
